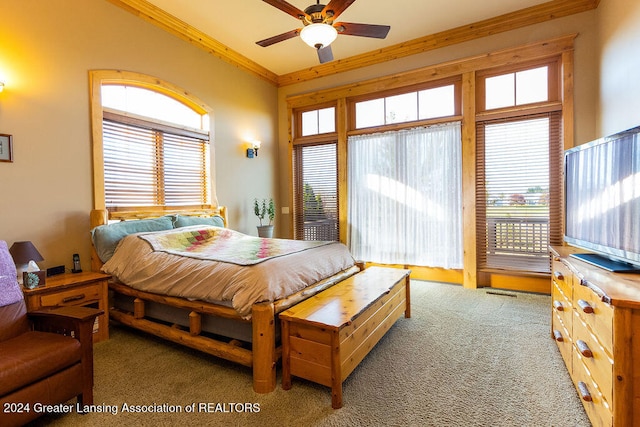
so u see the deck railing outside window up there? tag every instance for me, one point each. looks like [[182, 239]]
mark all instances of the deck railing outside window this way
[[513, 241]]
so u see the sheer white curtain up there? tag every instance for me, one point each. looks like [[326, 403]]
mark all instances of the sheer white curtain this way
[[405, 197]]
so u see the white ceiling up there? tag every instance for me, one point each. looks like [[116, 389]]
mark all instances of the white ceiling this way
[[238, 24]]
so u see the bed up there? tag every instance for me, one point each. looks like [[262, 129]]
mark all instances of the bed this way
[[225, 319]]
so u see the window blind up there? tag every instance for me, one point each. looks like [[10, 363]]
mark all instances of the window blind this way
[[519, 192], [152, 164], [316, 192]]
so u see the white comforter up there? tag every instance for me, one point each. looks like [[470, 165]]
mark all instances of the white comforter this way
[[137, 265]]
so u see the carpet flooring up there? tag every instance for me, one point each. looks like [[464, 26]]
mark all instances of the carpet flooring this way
[[465, 358]]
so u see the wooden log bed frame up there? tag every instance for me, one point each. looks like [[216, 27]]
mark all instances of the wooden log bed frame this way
[[261, 354]]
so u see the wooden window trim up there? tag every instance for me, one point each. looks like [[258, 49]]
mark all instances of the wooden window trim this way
[[522, 54], [503, 113], [431, 84], [316, 139], [297, 122], [553, 79], [404, 125], [98, 78], [555, 182], [143, 122], [467, 68], [456, 81], [300, 231]]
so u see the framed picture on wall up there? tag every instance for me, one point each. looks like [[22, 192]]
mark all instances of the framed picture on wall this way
[[6, 148]]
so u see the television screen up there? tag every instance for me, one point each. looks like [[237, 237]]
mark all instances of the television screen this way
[[602, 189]]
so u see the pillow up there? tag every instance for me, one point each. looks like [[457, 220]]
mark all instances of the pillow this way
[[10, 291], [106, 237], [185, 221]]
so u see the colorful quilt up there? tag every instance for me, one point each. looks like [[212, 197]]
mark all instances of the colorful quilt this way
[[225, 245]]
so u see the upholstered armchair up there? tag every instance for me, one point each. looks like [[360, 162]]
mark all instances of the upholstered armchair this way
[[46, 357]]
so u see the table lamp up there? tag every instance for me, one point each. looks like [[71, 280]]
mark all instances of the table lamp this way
[[23, 253]]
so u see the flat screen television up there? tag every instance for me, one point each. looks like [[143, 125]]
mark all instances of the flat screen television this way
[[602, 200]]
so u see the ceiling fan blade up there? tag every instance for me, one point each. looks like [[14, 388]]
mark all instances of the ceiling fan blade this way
[[325, 54], [362, 30], [279, 38], [286, 8], [337, 6]]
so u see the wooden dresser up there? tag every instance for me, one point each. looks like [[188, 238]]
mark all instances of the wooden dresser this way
[[596, 325]]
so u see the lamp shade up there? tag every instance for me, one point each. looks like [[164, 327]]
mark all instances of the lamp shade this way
[[23, 252], [318, 35]]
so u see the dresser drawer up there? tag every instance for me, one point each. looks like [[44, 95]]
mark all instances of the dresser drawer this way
[[75, 296], [596, 406], [563, 277], [596, 314], [561, 305], [563, 340], [594, 357]]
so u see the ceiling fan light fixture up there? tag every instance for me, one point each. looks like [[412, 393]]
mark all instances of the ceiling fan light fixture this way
[[318, 35]]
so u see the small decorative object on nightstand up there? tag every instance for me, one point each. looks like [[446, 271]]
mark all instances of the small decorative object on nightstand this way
[[25, 255], [80, 289], [33, 279]]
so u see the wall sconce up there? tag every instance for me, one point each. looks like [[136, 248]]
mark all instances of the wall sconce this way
[[253, 150], [1, 86], [24, 255]]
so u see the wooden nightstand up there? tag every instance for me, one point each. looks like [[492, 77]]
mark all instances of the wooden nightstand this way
[[83, 289]]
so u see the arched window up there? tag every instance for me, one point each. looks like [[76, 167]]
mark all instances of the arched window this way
[[150, 144]]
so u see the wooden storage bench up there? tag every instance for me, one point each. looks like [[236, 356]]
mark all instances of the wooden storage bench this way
[[326, 336]]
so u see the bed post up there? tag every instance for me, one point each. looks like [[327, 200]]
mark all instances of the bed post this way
[[96, 218], [264, 347]]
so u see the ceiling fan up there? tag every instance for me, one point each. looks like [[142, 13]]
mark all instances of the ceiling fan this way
[[319, 29]]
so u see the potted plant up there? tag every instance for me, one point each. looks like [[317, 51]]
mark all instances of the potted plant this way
[[262, 210]]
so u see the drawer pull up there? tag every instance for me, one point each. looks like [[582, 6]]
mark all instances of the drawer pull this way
[[557, 335], [586, 308], [558, 275], [584, 348], [584, 392], [558, 305], [73, 298]]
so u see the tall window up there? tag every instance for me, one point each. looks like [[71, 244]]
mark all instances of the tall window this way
[[404, 176], [317, 192], [518, 172], [154, 148], [317, 122], [315, 169], [405, 196], [437, 100]]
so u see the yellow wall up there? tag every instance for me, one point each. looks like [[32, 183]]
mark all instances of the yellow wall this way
[[619, 45], [46, 51]]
